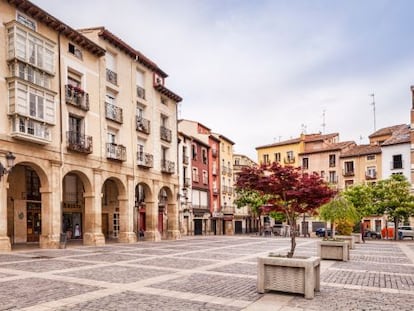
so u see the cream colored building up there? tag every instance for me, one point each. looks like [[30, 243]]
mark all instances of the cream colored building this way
[[227, 183], [93, 131], [244, 220]]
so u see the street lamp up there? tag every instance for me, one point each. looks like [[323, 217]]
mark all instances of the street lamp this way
[[10, 157]]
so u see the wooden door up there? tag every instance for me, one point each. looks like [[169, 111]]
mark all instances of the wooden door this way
[[34, 222]]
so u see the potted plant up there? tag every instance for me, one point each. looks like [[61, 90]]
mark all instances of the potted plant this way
[[289, 191]]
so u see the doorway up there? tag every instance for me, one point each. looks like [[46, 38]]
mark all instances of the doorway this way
[[198, 226], [34, 221]]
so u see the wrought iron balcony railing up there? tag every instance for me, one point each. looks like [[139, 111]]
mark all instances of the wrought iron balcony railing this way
[[76, 97], [166, 134], [370, 175], [111, 76], [167, 166], [113, 113], [348, 172], [115, 152], [79, 142], [145, 159], [143, 125]]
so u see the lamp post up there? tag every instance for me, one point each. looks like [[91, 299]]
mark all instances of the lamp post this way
[[10, 157]]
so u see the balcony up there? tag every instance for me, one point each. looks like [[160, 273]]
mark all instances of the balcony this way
[[111, 76], [214, 152], [113, 113], [115, 152], [78, 142], [224, 169], [31, 130], [370, 175], [145, 159], [140, 92], [187, 182], [229, 171], [142, 125], [227, 210], [348, 172], [215, 191], [397, 165], [186, 159], [167, 167], [166, 134], [224, 189], [76, 97], [289, 160]]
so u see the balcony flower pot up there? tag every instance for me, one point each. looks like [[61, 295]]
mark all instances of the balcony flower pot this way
[[290, 275], [333, 249]]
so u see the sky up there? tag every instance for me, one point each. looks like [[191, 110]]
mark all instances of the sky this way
[[264, 71]]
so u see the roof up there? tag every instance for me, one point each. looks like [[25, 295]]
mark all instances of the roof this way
[[400, 136], [226, 139], [166, 92], [52, 22], [361, 150], [307, 139], [282, 143], [387, 130], [331, 147], [139, 57]]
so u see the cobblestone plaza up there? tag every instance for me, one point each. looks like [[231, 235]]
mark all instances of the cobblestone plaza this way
[[205, 273]]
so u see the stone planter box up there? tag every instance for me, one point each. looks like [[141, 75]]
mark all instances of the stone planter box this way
[[291, 275], [337, 250], [357, 237], [348, 238]]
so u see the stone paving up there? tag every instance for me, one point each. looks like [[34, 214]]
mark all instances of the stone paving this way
[[200, 273]]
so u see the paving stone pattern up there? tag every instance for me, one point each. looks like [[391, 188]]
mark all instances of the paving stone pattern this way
[[198, 273]]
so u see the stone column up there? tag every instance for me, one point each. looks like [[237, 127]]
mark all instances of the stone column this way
[[126, 213], [51, 209], [93, 213], [5, 245], [151, 220], [173, 232]]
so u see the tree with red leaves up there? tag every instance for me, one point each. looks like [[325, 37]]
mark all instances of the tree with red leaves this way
[[290, 191]]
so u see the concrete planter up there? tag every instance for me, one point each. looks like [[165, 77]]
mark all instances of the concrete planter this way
[[357, 237], [291, 275], [337, 250], [348, 238]]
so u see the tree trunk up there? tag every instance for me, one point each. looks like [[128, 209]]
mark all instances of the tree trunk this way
[[292, 239]]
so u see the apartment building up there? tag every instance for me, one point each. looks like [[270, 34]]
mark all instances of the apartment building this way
[[227, 182], [88, 164], [244, 220], [360, 164], [186, 222]]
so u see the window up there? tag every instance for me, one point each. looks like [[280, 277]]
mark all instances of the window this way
[[237, 161], [30, 48], [164, 101], [74, 79], [205, 177], [140, 82], [290, 156], [116, 225], [277, 157], [370, 157], [397, 162], [349, 168], [332, 177], [194, 151], [204, 155], [75, 125], [305, 163], [24, 20], [111, 137], [111, 75], [332, 160], [195, 174], [266, 159], [371, 172], [322, 174], [348, 183], [75, 51]]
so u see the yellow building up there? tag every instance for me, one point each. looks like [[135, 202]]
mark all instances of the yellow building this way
[[93, 134]]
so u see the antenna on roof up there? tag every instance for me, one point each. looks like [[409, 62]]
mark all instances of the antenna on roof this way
[[323, 121], [373, 107], [360, 139], [303, 128]]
